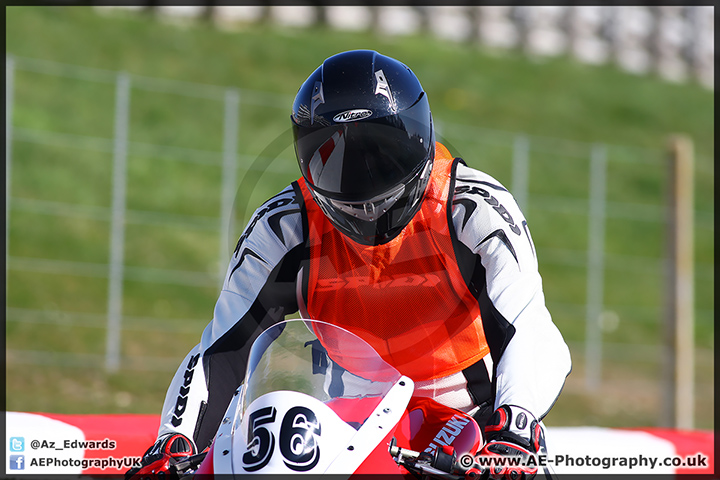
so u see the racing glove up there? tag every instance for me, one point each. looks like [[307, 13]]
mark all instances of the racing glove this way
[[511, 431], [157, 460]]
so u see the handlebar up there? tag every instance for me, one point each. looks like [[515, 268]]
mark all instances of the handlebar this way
[[444, 464]]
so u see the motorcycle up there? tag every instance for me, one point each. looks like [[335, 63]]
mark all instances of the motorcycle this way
[[319, 399]]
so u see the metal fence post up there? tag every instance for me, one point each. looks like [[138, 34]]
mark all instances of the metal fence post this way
[[117, 224], [229, 174], [521, 171], [9, 94], [595, 265]]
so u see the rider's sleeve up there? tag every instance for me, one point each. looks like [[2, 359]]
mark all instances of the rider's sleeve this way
[[530, 359], [258, 291]]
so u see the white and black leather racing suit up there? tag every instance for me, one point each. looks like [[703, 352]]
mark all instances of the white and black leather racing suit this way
[[528, 360]]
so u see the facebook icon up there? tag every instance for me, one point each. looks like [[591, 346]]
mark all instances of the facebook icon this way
[[17, 462]]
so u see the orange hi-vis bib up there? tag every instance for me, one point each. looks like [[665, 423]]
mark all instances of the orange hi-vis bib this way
[[406, 298]]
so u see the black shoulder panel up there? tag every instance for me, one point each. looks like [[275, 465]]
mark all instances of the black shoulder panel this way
[[225, 361]]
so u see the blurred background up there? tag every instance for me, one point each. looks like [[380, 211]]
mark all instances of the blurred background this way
[[139, 140]]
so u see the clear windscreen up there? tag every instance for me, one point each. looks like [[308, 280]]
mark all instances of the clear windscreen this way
[[320, 360]]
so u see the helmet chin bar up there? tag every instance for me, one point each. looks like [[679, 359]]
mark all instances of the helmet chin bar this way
[[369, 210], [378, 219]]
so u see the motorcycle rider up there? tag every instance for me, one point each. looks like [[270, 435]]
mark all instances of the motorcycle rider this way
[[389, 236]]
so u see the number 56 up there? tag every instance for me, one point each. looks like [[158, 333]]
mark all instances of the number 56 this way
[[297, 442]]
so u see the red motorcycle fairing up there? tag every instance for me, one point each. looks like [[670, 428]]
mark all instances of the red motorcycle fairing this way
[[425, 426], [379, 462], [206, 469], [431, 425]]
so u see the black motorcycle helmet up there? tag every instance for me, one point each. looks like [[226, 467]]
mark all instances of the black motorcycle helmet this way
[[365, 143]]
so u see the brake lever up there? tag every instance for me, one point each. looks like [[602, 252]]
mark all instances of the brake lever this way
[[186, 467]]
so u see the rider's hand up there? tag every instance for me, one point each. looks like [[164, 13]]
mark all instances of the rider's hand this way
[[512, 432], [168, 450]]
